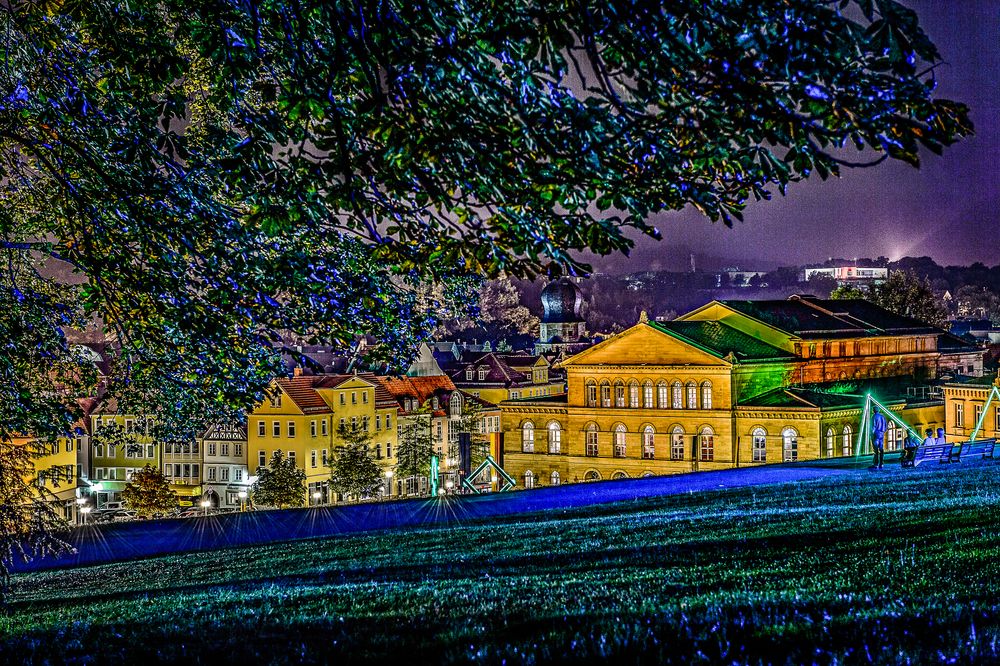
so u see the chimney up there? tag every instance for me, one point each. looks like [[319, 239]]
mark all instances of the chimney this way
[[297, 372]]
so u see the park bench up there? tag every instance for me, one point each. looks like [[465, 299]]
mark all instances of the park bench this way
[[980, 447], [944, 453]]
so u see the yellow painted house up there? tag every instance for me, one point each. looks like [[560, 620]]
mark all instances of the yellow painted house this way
[[496, 377], [302, 419], [972, 402], [57, 470], [731, 384]]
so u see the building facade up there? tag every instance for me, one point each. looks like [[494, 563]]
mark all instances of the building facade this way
[[730, 384], [225, 476]]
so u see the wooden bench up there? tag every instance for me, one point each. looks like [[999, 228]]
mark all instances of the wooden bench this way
[[981, 447], [944, 453]]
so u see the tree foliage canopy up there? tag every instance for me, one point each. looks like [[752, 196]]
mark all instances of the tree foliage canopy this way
[[904, 294], [280, 484], [149, 492], [220, 173], [353, 471]]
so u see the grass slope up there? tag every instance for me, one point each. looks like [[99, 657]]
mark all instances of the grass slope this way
[[885, 568]]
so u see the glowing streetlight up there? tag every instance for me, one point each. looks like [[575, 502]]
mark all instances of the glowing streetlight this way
[[316, 497], [83, 512], [243, 500], [205, 504], [388, 483]]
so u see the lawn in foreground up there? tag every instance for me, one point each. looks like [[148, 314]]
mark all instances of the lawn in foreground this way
[[880, 567]]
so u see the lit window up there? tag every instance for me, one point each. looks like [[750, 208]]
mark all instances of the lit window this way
[[848, 447], [529, 479], [647, 395], [592, 439], [759, 437], [676, 396], [619, 394], [828, 451], [707, 444], [633, 395], [706, 395], [591, 394], [605, 394], [692, 395], [555, 437], [677, 443], [790, 444], [648, 443], [554, 478], [313, 458], [528, 437], [619, 441], [661, 395]]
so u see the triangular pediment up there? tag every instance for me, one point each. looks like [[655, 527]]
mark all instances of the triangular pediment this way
[[645, 345]]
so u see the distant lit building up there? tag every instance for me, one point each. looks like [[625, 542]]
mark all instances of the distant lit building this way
[[850, 274]]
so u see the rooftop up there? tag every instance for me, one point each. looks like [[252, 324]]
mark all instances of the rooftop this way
[[722, 340]]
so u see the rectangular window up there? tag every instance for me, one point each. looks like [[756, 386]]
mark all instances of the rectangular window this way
[[211, 449], [225, 474], [225, 449], [312, 428], [354, 397], [312, 458], [978, 411], [326, 457], [364, 420], [707, 447], [276, 428], [343, 398], [959, 415], [291, 456], [129, 426], [759, 447], [323, 427], [150, 451], [378, 451], [238, 450], [388, 422], [354, 422], [168, 471], [342, 423], [364, 397], [187, 470], [677, 446], [195, 473], [261, 429], [261, 459], [592, 395], [388, 450], [996, 419], [238, 474], [591, 442], [291, 428], [692, 396], [378, 422], [210, 472]]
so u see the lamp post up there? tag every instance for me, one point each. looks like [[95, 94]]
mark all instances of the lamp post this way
[[84, 510], [316, 497], [388, 483], [204, 505], [243, 500], [80, 502]]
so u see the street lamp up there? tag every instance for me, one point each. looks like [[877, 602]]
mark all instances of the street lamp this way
[[205, 504], [84, 510], [316, 497], [243, 500], [388, 483]]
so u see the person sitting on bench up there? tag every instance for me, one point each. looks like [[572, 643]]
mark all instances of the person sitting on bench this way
[[910, 449]]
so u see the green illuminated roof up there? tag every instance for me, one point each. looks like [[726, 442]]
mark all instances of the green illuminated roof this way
[[721, 340], [839, 395]]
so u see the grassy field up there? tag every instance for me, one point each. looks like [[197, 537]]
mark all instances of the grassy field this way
[[884, 568]]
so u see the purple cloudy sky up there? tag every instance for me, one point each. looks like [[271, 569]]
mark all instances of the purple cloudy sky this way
[[947, 210]]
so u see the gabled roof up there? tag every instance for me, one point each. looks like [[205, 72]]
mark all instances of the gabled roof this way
[[721, 340], [421, 389], [302, 391], [498, 372]]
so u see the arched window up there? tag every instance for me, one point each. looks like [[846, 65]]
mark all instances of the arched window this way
[[591, 393], [759, 437], [828, 451], [706, 441], [619, 394], [676, 396], [619, 475], [661, 395], [848, 444], [592, 475], [648, 443], [619, 441], [605, 394], [591, 439], [554, 478], [528, 437], [455, 404], [677, 443], [647, 395], [529, 479], [555, 437], [706, 395], [692, 395], [790, 444], [633, 394]]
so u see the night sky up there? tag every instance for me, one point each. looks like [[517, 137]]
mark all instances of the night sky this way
[[947, 210]]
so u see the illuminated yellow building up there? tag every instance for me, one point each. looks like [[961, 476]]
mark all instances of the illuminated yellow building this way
[[303, 417], [497, 377], [730, 384], [964, 405]]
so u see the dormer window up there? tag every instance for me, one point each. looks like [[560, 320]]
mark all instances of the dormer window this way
[[434, 402], [468, 374], [276, 400], [482, 374]]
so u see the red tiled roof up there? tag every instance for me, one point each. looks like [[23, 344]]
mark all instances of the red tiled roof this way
[[302, 391]]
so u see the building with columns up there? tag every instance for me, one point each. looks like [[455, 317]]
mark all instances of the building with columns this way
[[732, 383]]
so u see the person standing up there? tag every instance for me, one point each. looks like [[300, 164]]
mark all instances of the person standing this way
[[941, 439], [879, 426]]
